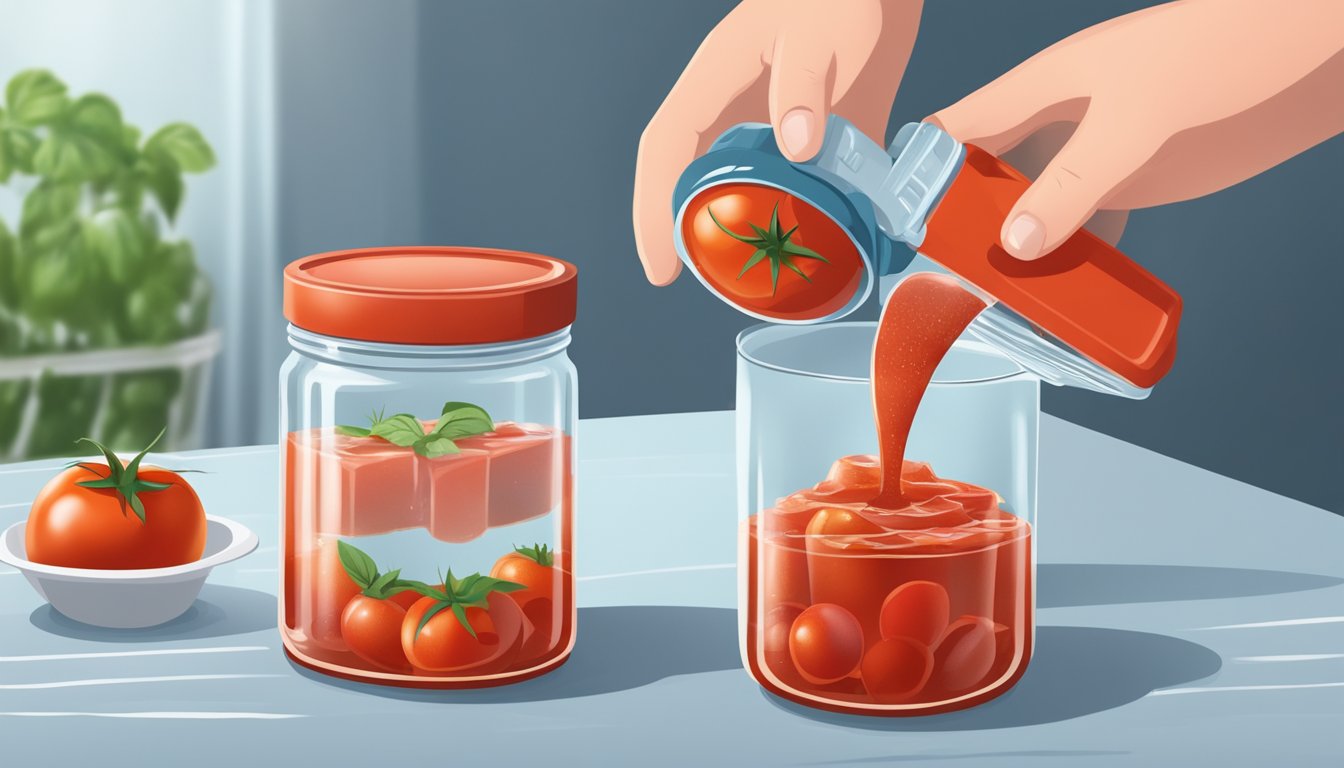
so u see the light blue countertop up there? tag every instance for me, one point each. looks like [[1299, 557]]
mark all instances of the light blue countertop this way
[[1183, 618]]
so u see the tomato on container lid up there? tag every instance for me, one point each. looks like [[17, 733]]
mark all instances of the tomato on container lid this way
[[803, 242], [431, 295]]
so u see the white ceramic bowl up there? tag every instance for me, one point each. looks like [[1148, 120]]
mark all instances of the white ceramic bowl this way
[[128, 599]]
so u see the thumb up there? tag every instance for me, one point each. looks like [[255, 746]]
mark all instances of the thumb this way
[[802, 76], [1098, 159]]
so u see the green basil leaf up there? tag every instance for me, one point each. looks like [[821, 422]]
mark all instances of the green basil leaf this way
[[359, 566], [97, 117], [35, 96], [421, 588], [117, 237], [66, 155], [474, 591], [402, 429], [9, 269], [348, 431], [151, 312], [463, 420], [433, 446], [48, 203], [161, 175], [380, 585], [184, 144], [17, 147]]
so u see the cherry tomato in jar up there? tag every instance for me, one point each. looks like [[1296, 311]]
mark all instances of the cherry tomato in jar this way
[[778, 625], [533, 567], [770, 252], [452, 632], [372, 629], [918, 610], [115, 516], [896, 669], [371, 620], [826, 643], [964, 655]]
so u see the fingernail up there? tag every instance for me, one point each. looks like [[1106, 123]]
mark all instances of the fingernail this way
[[796, 130], [1025, 237]]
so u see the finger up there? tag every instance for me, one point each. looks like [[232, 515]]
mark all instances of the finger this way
[[1102, 154], [721, 70], [802, 76], [1001, 114]]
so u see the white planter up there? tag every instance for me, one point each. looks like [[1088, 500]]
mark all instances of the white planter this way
[[183, 413]]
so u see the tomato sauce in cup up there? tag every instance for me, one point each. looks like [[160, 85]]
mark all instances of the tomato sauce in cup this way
[[884, 588]]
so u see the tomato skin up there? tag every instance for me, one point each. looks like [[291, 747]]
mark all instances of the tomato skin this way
[[537, 600], [826, 643], [965, 654], [916, 609], [372, 629], [538, 579], [78, 527], [719, 258], [896, 669], [444, 645]]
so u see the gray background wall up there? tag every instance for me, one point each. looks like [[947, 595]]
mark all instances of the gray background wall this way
[[514, 124]]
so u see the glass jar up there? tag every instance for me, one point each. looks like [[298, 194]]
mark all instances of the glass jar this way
[[428, 408], [963, 592]]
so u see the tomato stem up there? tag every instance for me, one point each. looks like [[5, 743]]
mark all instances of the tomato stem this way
[[460, 594], [772, 244], [124, 479]]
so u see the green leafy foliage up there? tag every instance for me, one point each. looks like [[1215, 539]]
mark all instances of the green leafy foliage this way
[[364, 572], [538, 553], [458, 595], [457, 420], [88, 265]]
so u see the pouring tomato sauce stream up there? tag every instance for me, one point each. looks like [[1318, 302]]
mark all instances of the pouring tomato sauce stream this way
[[923, 318]]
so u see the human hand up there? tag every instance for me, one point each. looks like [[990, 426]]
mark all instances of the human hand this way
[[1169, 103], [791, 61]]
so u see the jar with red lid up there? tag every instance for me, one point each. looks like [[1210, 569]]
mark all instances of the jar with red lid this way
[[428, 407]]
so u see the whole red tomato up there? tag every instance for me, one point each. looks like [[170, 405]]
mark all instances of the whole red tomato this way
[[371, 620], [533, 567], [372, 629], [115, 516], [896, 669], [770, 252], [469, 626], [826, 643]]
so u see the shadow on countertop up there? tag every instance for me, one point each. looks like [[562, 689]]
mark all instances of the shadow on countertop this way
[[618, 648], [1074, 671], [1061, 585], [219, 611]]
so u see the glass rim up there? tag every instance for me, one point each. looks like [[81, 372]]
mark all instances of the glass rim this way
[[1018, 372]]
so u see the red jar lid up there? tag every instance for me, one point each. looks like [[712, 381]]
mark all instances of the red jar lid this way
[[431, 295]]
